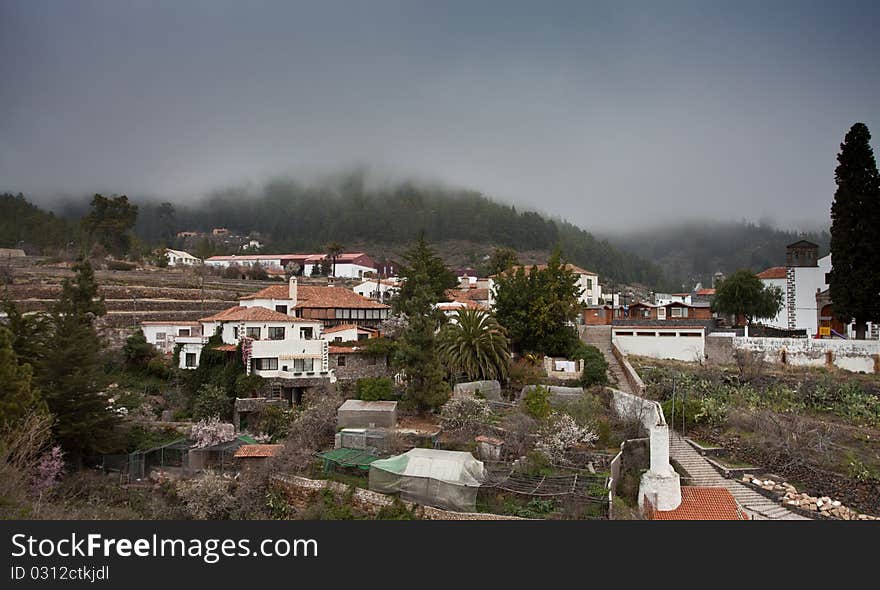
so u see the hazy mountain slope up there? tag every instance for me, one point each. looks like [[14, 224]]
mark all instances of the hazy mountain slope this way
[[695, 251]]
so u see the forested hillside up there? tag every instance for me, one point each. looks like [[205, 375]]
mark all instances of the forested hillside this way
[[24, 225], [294, 217], [694, 252]]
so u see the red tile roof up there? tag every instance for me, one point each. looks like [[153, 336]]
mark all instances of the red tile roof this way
[[340, 328], [344, 350], [252, 314], [168, 323], [249, 451], [699, 503], [777, 272], [310, 296], [706, 292], [226, 347]]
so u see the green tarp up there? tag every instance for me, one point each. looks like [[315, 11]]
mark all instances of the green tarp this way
[[348, 458]]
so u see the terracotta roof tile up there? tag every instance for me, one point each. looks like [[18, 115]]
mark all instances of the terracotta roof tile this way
[[248, 451], [310, 296], [327, 297], [776, 272], [252, 314], [702, 503], [344, 350]]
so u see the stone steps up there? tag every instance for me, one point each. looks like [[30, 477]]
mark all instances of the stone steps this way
[[703, 473]]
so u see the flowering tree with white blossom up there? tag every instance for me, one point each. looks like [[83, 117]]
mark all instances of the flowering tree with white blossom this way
[[211, 431], [558, 434]]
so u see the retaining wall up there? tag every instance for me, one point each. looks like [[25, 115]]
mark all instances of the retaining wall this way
[[850, 355]]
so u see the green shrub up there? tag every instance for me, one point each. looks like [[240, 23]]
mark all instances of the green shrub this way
[[536, 402], [210, 401], [373, 389], [595, 367], [273, 421]]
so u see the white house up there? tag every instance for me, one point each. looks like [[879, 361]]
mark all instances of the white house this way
[[350, 265], [382, 290], [587, 282], [330, 305], [165, 335], [273, 344], [803, 275], [348, 333], [181, 258]]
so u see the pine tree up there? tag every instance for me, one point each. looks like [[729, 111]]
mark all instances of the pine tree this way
[[423, 270], [418, 356], [69, 369], [18, 397], [855, 242]]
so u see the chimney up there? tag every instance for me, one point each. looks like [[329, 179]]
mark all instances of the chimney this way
[[292, 290]]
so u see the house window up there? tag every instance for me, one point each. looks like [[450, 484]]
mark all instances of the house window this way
[[266, 364], [235, 332], [183, 332], [253, 333], [661, 313], [363, 336], [276, 333], [300, 365], [337, 339], [160, 335], [190, 359], [281, 308], [679, 312], [306, 333], [340, 361]]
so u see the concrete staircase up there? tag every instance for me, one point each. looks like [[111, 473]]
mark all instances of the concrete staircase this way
[[702, 473], [600, 337]]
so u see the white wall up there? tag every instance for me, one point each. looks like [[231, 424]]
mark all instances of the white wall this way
[[781, 319], [152, 331], [675, 346], [850, 355], [807, 282], [348, 335], [344, 270]]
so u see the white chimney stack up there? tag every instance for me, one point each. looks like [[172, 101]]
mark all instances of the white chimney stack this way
[[293, 290]]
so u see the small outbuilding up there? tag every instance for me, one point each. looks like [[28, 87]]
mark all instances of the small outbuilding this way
[[433, 477], [490, 390], [355, 413], [249, 456]]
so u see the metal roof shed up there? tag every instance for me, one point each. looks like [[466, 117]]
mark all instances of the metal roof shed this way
[[355, 413]]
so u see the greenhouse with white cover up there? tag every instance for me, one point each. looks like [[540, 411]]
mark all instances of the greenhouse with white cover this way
[[432, 477]]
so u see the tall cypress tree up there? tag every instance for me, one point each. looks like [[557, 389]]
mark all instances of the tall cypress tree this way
[[855, 241]]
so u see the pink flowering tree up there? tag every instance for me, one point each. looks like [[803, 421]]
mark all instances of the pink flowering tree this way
[[48, 471], [211, 431]]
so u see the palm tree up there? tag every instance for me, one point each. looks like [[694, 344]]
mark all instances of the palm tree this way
[[475, 344], [334, 249]]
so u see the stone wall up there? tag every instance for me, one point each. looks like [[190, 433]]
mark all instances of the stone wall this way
[[358, 366], [301, 492], [850, 355], [629, 373], [719, 348], [626, 406]]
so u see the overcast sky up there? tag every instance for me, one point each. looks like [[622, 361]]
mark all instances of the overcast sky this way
[[609, 114]]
